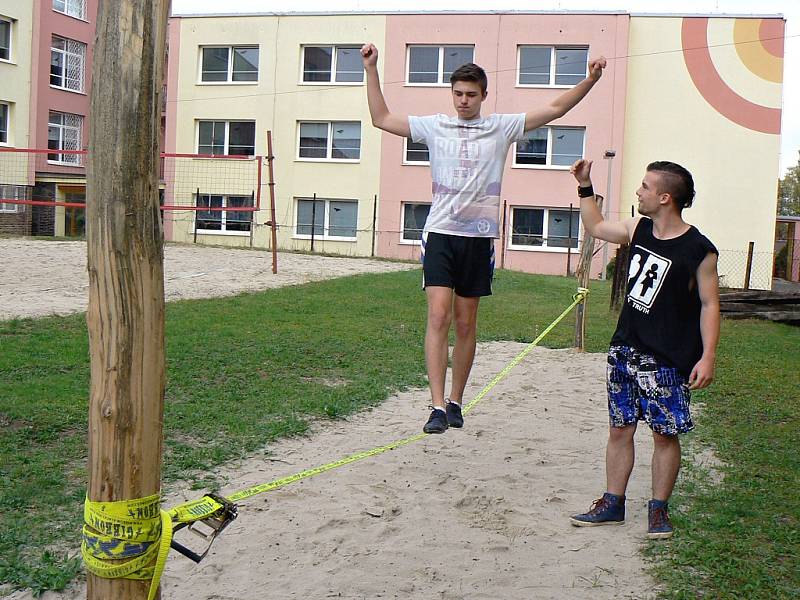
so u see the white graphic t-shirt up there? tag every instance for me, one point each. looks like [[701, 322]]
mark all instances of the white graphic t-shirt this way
[[467, 160]]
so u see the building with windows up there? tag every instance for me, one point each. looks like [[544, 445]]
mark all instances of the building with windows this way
[[50, 56], [691, 89]]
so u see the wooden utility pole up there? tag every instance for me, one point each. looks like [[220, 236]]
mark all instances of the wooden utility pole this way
[[125, 259]]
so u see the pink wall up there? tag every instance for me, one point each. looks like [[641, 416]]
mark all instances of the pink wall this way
[[496, 38], [46, 98]]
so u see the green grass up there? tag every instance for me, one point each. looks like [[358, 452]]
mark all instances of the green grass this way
[[245, 371]]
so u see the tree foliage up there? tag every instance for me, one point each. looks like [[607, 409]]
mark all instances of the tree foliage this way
[[789, 192]]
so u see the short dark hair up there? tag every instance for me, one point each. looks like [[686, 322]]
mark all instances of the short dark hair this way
[[470, 72], [674, 180]]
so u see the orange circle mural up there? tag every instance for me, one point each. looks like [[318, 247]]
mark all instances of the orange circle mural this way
[[759, 44]]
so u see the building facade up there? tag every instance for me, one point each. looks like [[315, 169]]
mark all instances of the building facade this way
[[701, 91], [52, 54], [704, 91]]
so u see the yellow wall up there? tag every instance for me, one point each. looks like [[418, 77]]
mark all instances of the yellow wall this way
[[735, 167], [277, 102], [15, 75]]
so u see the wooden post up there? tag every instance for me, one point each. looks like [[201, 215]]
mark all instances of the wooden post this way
[[273, 222], [125, 247], [619, 283], [582, 275], [374, 219], [749, 268]]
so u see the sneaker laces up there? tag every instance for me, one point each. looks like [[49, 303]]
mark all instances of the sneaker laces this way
[[659, 518], [599, 505]]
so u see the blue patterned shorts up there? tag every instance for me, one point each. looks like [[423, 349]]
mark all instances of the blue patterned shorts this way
[[640, 389]]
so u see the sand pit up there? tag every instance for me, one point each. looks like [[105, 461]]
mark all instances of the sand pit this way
[[477, 513]]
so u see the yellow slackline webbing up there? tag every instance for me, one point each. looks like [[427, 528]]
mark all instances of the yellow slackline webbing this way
[[132, 533]]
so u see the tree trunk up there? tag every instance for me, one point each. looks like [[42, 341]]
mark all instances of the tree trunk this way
[[582, 275], [125, 244]]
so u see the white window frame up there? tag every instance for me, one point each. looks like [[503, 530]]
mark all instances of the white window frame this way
[[326, 223], [413, 163], [440, 68], [5, 124], [334, 54], [75, 160], [224, 216], [329, 148], [65, 56], [19, 193], [227, 143], [553, 49], [545, 220], [229, 79], [72, 8], [403, 239], [549, 159], [10, 22]]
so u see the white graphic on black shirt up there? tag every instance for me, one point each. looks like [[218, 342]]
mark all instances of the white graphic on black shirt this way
[[649, 270]]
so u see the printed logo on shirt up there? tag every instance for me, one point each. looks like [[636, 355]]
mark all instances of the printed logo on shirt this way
[[648, 270]]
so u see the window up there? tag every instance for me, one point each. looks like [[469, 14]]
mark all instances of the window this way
[[434, 64], [229, 64], [237, 138], [13, 192], [332, 64], [551, 65], [327, 218], [224, 220], [73, 8], [67, 64], [64, 133], [5, 39], [416, 153], [336, 140], [544, 228], [550, 146], [414, 217], [4, 119]]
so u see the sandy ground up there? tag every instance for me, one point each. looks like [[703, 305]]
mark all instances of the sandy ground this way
[[39, 277], [478, 513]]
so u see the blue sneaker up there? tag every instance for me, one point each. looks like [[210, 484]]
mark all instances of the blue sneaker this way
[[658, 523], [437, 422], [454, 416], [608, 510]]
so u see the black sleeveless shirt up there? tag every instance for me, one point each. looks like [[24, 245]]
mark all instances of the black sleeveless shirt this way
[[661, 315]]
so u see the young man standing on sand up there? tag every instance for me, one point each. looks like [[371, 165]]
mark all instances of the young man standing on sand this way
[[666, 340], [467, 155]]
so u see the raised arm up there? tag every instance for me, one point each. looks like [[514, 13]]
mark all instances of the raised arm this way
[[564, 103], [381, 117], [616, 233], [708, 287]]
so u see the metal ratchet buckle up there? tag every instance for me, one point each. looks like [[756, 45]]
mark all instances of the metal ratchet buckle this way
[[211, 527]]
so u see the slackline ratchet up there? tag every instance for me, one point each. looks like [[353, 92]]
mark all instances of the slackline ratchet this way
[[130, 539]]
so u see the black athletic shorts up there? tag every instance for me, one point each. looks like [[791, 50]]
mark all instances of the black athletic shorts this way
[[465, 264]]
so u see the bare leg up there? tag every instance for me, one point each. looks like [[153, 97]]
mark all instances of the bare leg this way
[[666, 464], [440, 310], [466, 313], [620, 454]]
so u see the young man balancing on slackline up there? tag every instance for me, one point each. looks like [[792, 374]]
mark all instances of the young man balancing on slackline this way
[[666, 339], [467, 155]]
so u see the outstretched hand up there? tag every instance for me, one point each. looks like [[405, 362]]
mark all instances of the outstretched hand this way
[[369, 55], [582, 171], [596, 66]]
